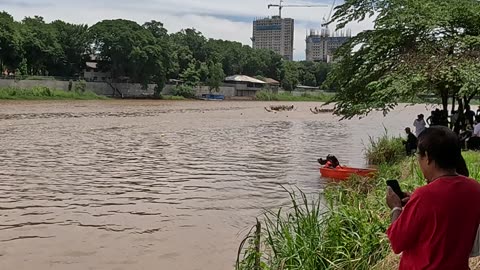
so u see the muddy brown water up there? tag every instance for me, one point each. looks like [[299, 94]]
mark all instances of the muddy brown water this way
[[157, 184]]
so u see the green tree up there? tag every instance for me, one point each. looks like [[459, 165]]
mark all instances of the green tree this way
[[194, 41], [142, 54], [321, 71], [215, 76], [291, 76], [309, 79], [429, 47], [42, 50], [203, 72], [118, 43], [156, 29], [10, 42], [191, 76], [73, 42]]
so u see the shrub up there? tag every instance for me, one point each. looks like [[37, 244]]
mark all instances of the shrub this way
[[385, 149], [266, 95], [183, 91], [41, 92], [80, 86]]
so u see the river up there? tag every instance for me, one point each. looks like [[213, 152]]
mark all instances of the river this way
[[157, 184]]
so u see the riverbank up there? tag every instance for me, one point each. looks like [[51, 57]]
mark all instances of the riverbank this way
[[45, 93], [342, 229], [286, 96]]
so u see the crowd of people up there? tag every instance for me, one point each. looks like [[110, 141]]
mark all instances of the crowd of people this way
[[466, 125]]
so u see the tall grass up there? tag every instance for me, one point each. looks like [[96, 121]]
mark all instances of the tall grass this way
[[385, 149], [344, 228], [271, 96], [45, 93]]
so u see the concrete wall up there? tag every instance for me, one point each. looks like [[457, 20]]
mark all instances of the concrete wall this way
[[129, 90], [61, 85], [227, 91], [300, 93]]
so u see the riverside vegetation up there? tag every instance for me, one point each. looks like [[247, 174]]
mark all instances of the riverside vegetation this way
[[44, 93], [286, 96], [145, 53], [343, 228]]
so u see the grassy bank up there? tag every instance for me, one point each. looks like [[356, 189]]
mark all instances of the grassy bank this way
[[270, 96], [165, 97], [45, 93], [342, 229]]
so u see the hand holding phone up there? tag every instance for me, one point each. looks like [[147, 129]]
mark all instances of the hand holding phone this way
[[396, 188]]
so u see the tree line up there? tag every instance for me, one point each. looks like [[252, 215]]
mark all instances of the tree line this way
[[145, 53]]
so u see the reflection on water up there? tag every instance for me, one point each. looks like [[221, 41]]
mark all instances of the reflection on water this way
[[156, 185]]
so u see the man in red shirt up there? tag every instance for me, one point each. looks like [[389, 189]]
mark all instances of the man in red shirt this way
[[437, 228]]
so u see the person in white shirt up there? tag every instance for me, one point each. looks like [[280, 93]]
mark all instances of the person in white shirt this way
[[474, 142], [420, 125], [476, 130]]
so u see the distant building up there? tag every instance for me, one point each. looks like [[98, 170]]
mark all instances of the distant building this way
[[92, 73], [274, 34], [321, 46], [245, 86]]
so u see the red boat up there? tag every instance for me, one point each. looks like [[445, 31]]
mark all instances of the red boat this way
[[343, 173]]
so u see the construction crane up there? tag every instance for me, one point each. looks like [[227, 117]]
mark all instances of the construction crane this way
[[280, 6], [326, 22]]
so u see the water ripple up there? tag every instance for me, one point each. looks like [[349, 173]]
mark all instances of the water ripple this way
[[92, 185]]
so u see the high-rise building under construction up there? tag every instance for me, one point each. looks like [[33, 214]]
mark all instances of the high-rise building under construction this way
[[321, 45], [276, 34]]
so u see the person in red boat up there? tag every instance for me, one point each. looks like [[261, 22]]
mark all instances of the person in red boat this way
[[438, 226], [330, 162]]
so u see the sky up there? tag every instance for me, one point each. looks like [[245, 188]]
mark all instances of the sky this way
[[220, 19]]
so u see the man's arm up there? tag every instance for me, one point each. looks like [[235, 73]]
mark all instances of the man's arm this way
[[396, 215], [407, 225]]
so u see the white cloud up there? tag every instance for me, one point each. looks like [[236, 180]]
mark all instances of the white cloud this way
[[224, 19]]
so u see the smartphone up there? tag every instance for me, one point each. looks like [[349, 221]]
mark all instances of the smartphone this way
[[396, 188]]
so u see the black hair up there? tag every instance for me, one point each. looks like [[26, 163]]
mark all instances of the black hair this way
[[443, 147]]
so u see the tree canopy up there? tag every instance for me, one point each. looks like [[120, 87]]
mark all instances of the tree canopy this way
[[416, 47], [144, 54]]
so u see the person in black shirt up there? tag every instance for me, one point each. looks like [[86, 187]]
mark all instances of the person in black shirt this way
[[410, 143], [469, 115]]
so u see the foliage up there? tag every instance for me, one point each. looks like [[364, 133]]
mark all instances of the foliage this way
[[173, 98], [44, 93], [215, 76], [346, 231], [430, 47], [291, 76], [185, 91], [10, 47], [42, 50], [191, 75], [140, 53], [73, 40], [80, 87], [309, 79], [385, 150]]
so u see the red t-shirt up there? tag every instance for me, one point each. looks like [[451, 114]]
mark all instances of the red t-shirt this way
[[437, 227]]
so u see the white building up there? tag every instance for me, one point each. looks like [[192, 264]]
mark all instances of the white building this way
[[276, 34], [321, 45]]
